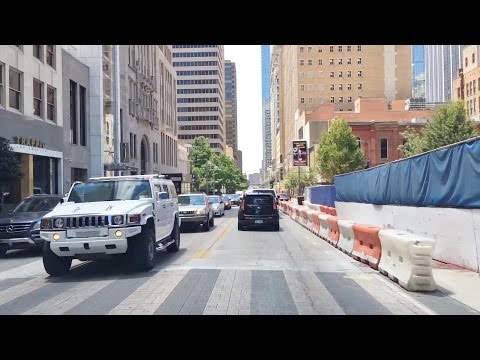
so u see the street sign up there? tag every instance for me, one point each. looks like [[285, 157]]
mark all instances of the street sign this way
[[300, 153]]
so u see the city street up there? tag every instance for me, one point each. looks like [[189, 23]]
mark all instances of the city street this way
[[223, 271]]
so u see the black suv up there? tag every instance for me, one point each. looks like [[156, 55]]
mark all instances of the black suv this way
[[259, 210], [21, 229]]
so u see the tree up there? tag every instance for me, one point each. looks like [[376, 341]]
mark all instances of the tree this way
[[449, 124], [338, 151], [307, 178], [9, 165]]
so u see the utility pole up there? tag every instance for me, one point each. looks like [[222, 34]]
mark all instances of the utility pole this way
[[298, 181]]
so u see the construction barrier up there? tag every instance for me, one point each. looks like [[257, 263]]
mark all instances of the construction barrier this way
[[297, 213], [407, 259], [345, 241], [309, 225], [366, 246], [304, 216], [293, 211], [333, 231], [316, 222], [323, 231]]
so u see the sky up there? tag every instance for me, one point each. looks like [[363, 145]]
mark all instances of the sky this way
[[247, 59]]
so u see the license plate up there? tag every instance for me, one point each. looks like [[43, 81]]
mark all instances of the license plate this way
[[258, 221]]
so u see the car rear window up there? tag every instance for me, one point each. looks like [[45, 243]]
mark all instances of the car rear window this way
[[259, 200]]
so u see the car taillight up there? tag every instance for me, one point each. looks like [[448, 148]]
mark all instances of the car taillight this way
[[242, 206], [274, 206]]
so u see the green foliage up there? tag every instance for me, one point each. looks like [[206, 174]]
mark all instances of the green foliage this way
[[307, 178], [449, 124], [338, 151], [9, 165], [214, 171]]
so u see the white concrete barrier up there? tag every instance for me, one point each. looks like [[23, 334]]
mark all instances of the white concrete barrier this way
[[456, 231], [345, 242], [323, 233], [294, 211], [407, 258], [310, 219]]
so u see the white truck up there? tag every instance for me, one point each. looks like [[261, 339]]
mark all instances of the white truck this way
[[129, 216]]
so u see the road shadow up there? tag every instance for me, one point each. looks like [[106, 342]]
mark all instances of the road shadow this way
[[115, 268], [23, 253], [188, 229], [252, 229]]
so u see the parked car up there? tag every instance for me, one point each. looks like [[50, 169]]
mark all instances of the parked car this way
[[283, 197], [196, 209], [227, 204], [217, 204], [258, 210], [21, 228]]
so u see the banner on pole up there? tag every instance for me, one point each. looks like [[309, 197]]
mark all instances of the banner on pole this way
[[300, 153]]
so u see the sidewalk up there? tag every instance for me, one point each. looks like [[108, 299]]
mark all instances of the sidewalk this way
[[460, 284]]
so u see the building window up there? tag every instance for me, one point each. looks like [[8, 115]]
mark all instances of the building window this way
[[309, 49], [332, 99], [302, 62], [302, 100], [302, 75], [15, 95], [310, 100], [131, 145], [467, 88], [359, 87], [37, 52], [349, 86], [359, 47], [51, 109], [330, 61], [310, 87], [320, 62], [475, 106], [302, 87], [349, 99], [331, 48], [340, 74], [349, 73], [73, 112], [466, 61], [473, 58], [135, 146], [332, 74], [320, 74], [349, 61], [349, 48], [340, 99], [310, 62], [474, 86], [359, 73], [37, 98], [383, 148], [320, 49], [1, 85], [332, 86], [51, 55], [340, 86], [310, 74], [340, 61], [359, 61], [359, 142], [302, 49], [340, 48], [83, 116]]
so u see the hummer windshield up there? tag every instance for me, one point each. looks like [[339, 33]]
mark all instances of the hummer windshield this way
[[110, 190]]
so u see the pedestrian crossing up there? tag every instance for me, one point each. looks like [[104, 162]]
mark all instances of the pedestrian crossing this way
[[183, 291]]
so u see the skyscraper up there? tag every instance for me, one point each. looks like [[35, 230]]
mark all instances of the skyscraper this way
[[442, 63], [200, 93], [418, 71], [231, 110], [266, 125]]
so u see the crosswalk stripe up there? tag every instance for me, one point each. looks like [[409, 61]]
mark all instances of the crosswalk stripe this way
[[68, 299], [397, 297], [21, 289], [29, 270], [150, 295], [311, 297]]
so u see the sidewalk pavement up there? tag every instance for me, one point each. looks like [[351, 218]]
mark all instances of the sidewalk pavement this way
[[460, 284]]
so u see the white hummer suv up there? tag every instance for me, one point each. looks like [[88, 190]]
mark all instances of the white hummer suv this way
[[132, 215]]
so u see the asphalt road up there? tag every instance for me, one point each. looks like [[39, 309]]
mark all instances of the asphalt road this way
[[223, 271]]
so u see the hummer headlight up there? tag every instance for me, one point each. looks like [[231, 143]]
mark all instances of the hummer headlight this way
[[58, 223], [118, 220]]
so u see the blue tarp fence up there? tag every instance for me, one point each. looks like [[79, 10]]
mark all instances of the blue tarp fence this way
[[321, 194], [447, 177]]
